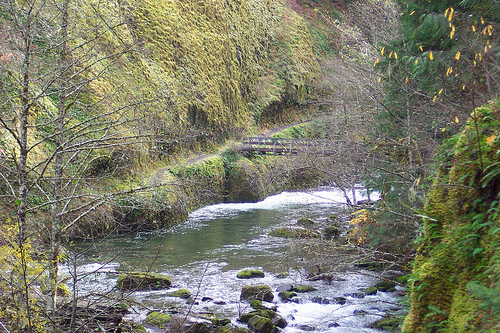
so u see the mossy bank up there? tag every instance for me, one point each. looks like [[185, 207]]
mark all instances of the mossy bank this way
[[456, 277]]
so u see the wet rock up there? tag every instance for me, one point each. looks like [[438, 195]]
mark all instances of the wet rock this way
[[282, 275], [286, 287], [221, 322], [385, 285], [259, 305], [304, 289], [261, 324], [182, 293], [320, 300], [360, 294], [333, 325], [260, 292], [359, 312], [250, 273], [286, 295], [220, 302], [387, 323], [143, 281], [206, 299], [288, 232], [157, 319], [307, 328], [340, 300], [370, 291]]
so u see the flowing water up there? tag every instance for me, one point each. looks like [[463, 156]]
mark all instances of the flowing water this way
[[205, 253]]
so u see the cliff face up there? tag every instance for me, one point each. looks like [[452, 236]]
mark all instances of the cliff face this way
[[456, 278], [215, 63]]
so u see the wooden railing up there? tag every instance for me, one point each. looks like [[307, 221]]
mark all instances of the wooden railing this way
[[287, 146]]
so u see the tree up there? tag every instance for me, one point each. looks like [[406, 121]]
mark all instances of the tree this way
[[57, 130]]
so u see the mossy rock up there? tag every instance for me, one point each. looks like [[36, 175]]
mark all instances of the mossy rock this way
[[158, 319], [143, 281], [331, 231], [259, 292], [286, 295], [132, 327], [387, 323], [304, 289], [287, 232], [332, 217], [261, 324], [370, 291], [182, 293], [385, 285], [305, 221], [250, 273], [282, 275], [220, 322]]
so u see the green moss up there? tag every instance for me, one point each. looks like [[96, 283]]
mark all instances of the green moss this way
[[157, 319], [304, 289], [250, 273], [286, 295], [182, 293], [459, 233], [143, 281]]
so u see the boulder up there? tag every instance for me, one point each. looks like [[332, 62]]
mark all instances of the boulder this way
[[157, 319], [288, 232], [305, 222], [143, 281], [385, 285], [261, 324], [182, 293], [286, 295], [259, 292], [304, 289], [250, 273]]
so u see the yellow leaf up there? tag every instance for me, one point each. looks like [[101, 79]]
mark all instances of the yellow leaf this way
[[434, 99], [421, 49], [395, 55], [443, 130], [473, 28], [449, 71], [406, 80], [482, 20], [474, 63], [457, 55], [416, 61], [451, 14], [440, 91], [382, 51], [456, 119], [379, 79], [390, 54], [376, 62], [463, 87], [413, 12], [431, 56], [490, 139]]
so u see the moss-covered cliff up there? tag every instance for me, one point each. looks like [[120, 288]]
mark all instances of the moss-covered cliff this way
[[456, 278], [217, 62]]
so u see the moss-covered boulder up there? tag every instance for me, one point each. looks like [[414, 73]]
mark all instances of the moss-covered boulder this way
[[250, 273], [332, 230], [385, 285], [143, 281], [305, 221], [388, 324], [259, 292], [286, 295], [157, 319], [290, 232], [304, 289], [261, 324], [62, 290], [182, 293]]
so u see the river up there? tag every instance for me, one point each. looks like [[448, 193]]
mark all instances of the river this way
[[205, 253]]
